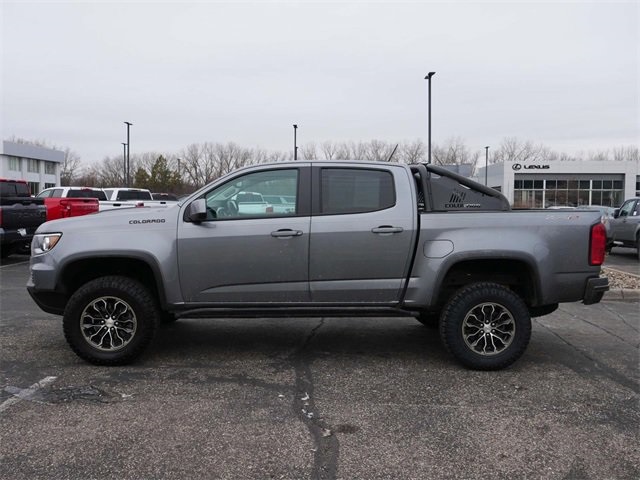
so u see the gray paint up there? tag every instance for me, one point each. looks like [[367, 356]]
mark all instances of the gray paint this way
[[337, 259]]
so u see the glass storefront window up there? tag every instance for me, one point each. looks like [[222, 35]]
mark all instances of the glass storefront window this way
[[568, 192]]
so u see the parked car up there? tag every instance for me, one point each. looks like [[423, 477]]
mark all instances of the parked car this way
[[625, 226], [123, 197], [365, 238], [281, 203], [20, 215], [64, 202], [606, 216]]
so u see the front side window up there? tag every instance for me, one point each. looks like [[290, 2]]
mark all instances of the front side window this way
[[626, 209], [350, 190], [272, 193]]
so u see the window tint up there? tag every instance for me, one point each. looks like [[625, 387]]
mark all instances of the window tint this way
[[14, 189], [627, 208], [86, 193], [124, 195], [345, 190], [272, 193]]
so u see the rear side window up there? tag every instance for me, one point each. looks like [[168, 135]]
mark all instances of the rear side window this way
[[350, 190], [87, 193], [14, 189], [133, 195]]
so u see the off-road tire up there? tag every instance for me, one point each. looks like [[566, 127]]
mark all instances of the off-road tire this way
[[140, 303], [469, 303]]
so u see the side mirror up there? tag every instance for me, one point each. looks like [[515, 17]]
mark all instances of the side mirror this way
[[197, 211], [616, 213]]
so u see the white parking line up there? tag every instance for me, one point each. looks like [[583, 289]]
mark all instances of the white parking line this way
[[14, 264], [26, 393]]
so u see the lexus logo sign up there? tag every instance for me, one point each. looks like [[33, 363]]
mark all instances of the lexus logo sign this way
[[518, 166]]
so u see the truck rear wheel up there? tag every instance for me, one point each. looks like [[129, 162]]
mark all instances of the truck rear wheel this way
[[110, 320], [486, 326]]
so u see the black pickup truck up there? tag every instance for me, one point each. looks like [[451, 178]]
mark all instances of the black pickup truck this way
[[20, 215]]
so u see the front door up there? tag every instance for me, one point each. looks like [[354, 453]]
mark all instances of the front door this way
[[623, 228], [248, 255]]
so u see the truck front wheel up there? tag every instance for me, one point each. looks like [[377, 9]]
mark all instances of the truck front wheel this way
[[110, 320], [486, 326]]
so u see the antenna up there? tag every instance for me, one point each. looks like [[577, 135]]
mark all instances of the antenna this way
[[394, 151]]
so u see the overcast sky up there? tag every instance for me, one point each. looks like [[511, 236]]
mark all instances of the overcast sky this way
[[563, 74]]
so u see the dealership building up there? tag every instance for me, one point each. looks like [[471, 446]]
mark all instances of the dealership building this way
[[563, 183], [39, 166]]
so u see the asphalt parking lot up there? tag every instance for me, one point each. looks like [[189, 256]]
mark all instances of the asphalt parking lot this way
[[624, 259], [319, 398]]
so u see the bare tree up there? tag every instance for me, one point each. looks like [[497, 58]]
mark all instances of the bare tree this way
[[626, 153], [514, 150], [414, 152], [70, 167], [308, 151], [330, 150]]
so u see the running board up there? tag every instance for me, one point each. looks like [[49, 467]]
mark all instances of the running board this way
[[274, 312]]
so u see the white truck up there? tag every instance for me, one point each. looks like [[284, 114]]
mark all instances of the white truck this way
[[130, 197]]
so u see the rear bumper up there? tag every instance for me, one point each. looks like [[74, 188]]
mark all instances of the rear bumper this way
[[595, 290]]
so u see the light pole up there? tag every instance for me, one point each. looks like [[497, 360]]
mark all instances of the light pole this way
[[128, 154], [124, 160], [486, 164], [295, 142], [428, 77]]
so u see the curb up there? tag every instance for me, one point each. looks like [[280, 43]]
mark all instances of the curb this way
[[622, 295]]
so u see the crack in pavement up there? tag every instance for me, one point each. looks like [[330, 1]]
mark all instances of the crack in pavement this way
[[622, 339], [624, 320], [601, 369], [325, 464]]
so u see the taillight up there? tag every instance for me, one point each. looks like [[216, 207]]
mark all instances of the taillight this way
[[597, 244], [269, 209], [65, 209]]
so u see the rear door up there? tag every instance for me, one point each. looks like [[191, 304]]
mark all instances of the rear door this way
[[362, 232], [239, 257]]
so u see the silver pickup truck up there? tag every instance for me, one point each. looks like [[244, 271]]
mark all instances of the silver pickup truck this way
[[363, 239]]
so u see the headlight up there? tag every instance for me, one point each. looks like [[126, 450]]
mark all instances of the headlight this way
[[44, 242]]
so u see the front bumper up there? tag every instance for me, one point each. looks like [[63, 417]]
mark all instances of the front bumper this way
[[595, 290], [50, 302]]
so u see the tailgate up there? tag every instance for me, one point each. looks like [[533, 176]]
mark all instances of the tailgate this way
[[26, 213], [74, 207]]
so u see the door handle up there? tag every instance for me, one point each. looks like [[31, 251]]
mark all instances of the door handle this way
[[286, 233], [387, 229]]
